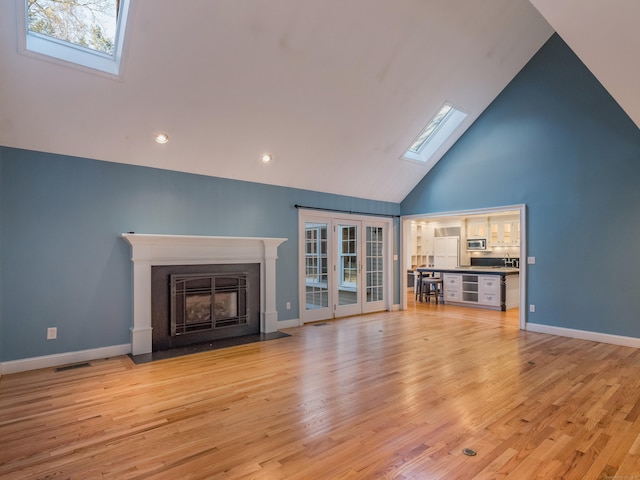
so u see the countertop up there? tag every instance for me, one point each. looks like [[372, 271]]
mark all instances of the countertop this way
[[475, 270]]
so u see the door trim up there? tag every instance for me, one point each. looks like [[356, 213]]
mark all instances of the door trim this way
[[305, 215], [405, 236]]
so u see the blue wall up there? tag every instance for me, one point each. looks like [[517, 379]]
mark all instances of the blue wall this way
[[1, 256], [64, 263], [556, 141]]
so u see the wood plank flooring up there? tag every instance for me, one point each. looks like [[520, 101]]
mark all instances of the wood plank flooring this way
[[394, 395]]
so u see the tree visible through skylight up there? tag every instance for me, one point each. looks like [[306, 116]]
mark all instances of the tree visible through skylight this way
[[86, 23]]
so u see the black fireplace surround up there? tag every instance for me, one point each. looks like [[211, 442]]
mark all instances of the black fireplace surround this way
[[193, 304]]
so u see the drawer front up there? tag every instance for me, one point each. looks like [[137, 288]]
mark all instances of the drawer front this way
[[452, 280], [492, 299], [490, 284], [452, 295]]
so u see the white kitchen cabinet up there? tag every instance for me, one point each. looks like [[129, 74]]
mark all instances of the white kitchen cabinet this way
[[452, 284], [484, 291], [421, 244], [428, 233], [418, 244], [489, 290], [489, 283], [470, 288], [504, 231], [477, 228], [512, 291]]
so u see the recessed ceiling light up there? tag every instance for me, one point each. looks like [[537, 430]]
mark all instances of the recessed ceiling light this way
[[161, 137], [266, 158]]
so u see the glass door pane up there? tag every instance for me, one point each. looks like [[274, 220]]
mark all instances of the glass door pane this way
[[316, 267], [374, 264], [333, 252], [347, 265]]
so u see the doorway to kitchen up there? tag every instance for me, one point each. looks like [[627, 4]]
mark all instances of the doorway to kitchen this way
[[492, 238], [344, 264]]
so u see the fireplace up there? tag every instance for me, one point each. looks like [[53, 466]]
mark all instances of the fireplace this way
[[206, 302], [200, 252], [200, 303]]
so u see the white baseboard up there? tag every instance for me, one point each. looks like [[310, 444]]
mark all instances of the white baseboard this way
[[585, 335], [395, 308], [295, 322], [47, 361]]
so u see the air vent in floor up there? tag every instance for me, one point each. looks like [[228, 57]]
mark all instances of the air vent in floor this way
[[72, 367]]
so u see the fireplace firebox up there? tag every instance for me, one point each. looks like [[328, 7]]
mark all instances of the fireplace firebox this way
[[200, 303]]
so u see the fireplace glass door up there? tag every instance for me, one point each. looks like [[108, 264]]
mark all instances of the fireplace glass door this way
[[201, 302]]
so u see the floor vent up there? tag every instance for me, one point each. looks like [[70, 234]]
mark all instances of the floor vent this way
[[72, 367], [320, 324]]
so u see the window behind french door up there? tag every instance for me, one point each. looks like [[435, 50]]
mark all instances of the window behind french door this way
[[346, 266]]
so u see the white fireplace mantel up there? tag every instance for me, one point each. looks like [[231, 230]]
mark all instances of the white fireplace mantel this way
[[148, 250]]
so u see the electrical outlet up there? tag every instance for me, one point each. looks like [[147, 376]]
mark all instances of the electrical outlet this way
[[531, 260], [288, 305], [52, 333], [532, 308]]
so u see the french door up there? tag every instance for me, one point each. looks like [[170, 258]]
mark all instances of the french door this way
[[344, 266]]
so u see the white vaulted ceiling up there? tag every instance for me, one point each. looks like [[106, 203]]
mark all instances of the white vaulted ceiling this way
[[606, 37], [336, 90]]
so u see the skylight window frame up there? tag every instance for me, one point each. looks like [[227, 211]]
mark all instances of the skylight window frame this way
[[436, 127], [438, 137], [69, 54]]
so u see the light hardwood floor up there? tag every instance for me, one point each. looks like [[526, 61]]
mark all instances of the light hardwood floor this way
[[389, 395]]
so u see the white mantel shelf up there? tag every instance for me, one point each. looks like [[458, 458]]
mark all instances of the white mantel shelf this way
[[148, 250]]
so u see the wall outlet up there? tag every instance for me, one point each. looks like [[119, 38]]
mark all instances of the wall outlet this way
[[52, 333], [288, 305], [531, 260], [532, 308]]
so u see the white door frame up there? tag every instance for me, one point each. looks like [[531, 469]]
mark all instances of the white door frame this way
[[332, 218], [405, 238]]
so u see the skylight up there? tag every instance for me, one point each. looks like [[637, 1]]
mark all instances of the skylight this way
[[84, 32], [433, 136]]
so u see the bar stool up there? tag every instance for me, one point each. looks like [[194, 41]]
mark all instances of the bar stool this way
[[432, 286], [418, 287]]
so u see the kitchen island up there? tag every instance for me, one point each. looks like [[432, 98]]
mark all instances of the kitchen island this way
[[496, 288]]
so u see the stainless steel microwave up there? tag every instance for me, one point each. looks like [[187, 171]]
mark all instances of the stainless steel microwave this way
[[477, 244]]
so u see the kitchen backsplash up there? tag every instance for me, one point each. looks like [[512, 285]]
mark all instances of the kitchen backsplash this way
[[492, 261]]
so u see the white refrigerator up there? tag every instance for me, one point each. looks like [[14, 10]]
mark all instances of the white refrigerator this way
[[445, 252]]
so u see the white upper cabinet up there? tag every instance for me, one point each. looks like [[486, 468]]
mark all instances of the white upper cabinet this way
[[504, 231], [477, 228]]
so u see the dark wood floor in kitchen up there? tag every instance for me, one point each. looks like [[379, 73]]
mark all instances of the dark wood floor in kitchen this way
[[387, 395]]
